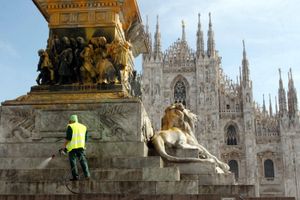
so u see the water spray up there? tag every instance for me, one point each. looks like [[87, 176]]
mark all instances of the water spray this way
[[45, 162], [62, 152]]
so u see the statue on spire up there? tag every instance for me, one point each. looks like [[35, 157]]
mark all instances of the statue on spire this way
[[183, 38], [200, 42], [210, 40]]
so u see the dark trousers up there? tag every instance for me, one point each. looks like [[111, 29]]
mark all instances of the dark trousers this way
[[80, 154]]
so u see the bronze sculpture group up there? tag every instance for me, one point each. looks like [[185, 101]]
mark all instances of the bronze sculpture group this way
[[68, 60]]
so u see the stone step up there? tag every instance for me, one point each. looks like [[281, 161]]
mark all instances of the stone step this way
[[58, 175], [134, 197], [99, 187], [243, 190], [207, 179], [200, 168], [63, 162], [94, 149]]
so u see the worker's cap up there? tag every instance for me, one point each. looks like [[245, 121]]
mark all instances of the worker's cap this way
[[74, 118]]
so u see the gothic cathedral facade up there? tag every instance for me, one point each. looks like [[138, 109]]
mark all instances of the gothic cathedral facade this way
[[262, 147]]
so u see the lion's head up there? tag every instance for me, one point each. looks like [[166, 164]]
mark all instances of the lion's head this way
[[178, 116]]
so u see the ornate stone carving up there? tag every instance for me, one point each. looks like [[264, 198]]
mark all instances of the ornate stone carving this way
[[19, 124], [178, 132], [113, 120], [113, 33]]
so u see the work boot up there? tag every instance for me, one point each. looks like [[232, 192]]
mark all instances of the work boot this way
[[74, 179]]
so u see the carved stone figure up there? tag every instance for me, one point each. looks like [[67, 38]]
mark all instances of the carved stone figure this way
[[73, 45], [135, 84], [78, 60], [65, 61], [105, 69], [55, 48], [45, 67], [88, 72], [177, 131], [74, 61], [120, 53]]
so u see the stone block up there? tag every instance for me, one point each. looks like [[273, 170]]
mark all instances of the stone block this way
[[114, 187], [208, 179], [245, 190], [185, 197], [82, 187], [164, 197], [161, 174], [27, 188], [93, 149], [112, 149], [194, 167], [117, 174], [136, 162], [183, 153], [107, 121], [56, 175], [63, 162], [179, 187], [189, 176], [33, 163]]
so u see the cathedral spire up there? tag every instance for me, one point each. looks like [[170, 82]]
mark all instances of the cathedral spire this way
[[276, 106], [240, 70], [281, 97], [210, 40], [200, 41], [147, 24], [157, 42], [270, 106], [245, 67], [292, 97], [264, 105], [183, 37], [244, 51], [148, 39]]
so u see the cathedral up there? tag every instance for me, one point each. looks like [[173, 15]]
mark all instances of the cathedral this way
[[261, 145]]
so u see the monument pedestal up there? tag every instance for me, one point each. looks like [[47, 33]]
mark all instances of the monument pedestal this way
[[33, 129]]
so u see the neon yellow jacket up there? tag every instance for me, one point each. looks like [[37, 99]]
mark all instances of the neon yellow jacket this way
[[78, 136]]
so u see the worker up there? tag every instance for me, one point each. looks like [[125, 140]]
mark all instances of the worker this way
[[75, 145]]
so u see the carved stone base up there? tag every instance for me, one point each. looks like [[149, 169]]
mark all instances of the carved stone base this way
[[70, 94], [44, 117], [33, 128]]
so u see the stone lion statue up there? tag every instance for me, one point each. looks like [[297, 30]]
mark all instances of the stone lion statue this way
[[178, 132]]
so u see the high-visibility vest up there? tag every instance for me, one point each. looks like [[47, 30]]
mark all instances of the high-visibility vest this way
[[78, 136]]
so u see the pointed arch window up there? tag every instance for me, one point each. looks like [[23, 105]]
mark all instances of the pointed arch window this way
[[180, 93], [269, 169], [231, 134], [234, 168]]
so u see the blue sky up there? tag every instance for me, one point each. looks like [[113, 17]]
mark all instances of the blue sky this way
[[271, 29]]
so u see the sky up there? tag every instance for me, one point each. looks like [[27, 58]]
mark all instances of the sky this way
[[270, 28]]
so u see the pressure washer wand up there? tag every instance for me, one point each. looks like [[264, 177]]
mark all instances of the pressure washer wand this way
[[63, 151]]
